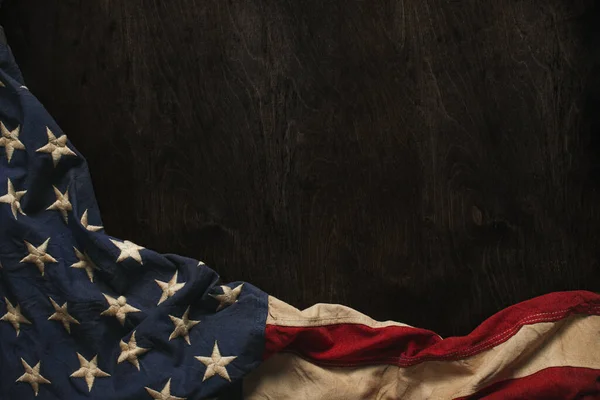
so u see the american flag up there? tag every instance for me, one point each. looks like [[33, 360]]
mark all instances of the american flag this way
[[85, 315]]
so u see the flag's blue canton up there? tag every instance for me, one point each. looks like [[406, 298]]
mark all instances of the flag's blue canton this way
[[86, 315]]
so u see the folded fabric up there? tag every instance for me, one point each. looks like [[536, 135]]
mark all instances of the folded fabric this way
[[85, 315]]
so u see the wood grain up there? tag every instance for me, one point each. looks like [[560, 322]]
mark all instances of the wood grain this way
[[426, 161]]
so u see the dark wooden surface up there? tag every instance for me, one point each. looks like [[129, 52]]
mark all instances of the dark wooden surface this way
[[426, 161]]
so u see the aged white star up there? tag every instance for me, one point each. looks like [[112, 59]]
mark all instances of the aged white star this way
[[84, 222], [228, 297], [89, 370], [118, 308], [10, 141], [14, 316], [61, 314], [215, 364], [128, 249], [164, 394], [183, 326], [32, 376], [84, 263], [56, 147], [38, 255], [14, 199], [130, 351], [61, 204], [169, 288]]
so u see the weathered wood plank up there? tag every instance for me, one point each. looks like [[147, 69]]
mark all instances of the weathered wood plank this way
[[428, 161]]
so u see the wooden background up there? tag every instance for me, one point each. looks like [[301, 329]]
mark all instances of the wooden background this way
[[426, 161]]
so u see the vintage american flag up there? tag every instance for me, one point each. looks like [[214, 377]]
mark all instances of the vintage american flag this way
[[85, 315]]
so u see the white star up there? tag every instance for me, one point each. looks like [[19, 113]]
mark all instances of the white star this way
[[89, 370], [14, 199], [228, 297], [61, 314], [84, 222], [32, 376], [56, 147], [85, 263], [38, 255], [164, 394], [118, 308], [183, 326], [10, 140], [200, 263], [128, 249], [14, 316], [130, 352], [61, 204], [215, 364], [169, 288]]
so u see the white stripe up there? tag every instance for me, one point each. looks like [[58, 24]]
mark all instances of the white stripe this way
[[283, 314]]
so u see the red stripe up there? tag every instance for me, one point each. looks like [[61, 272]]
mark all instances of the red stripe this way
[[348, 344], [557, 383], [352, 344]]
